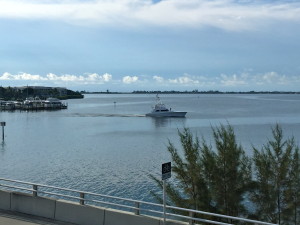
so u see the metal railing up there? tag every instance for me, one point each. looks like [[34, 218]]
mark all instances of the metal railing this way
[[125, 204]]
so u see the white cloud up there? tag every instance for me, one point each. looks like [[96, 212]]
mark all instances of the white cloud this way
[[226, 14], [233, 80], [130, 79], [158, 79], [184, 80], [243, 81], [86, 79], [107, 77], [21, 76]]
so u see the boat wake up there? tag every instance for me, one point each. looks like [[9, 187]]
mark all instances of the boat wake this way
[[105, 115]]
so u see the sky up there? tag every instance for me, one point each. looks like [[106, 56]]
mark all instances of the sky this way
[[129, 45]]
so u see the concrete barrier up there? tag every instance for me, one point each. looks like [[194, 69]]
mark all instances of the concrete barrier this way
[[172, 222], [38, 206], [5, 200], [80, 214], [116, 217], [73, 212]]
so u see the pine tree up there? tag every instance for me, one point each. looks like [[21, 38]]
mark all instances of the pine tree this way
[[294, 190], [274, 182], [228, 172], [190, 190], [215, 181]]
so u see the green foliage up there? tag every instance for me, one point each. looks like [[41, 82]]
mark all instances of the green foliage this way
[[219, 178], [9, 94], [228, 172], [277, 179], [189, 171], [208, 180], [294, 189], [190, 191]]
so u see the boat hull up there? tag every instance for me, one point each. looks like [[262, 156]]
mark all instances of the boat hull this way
[[166, 114]]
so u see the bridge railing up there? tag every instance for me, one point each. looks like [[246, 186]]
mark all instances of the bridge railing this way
[[125, 204]]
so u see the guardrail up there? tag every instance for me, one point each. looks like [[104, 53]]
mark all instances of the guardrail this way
[[125, 204]]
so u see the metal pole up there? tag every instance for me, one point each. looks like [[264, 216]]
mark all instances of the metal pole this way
[[164, 200], [137, 211], [35, 188], [2, 133], [81, 202]]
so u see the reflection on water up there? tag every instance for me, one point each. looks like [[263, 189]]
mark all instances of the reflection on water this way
[[2, 146], [160, 121], [167, 121]]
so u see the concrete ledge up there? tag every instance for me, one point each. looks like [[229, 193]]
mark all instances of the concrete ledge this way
[[115, 217], [5, 200], [38, 206], [74, 213], [172, 222], [80, 214]]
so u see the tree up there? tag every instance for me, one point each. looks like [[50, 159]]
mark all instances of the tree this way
[[294, 190], [210, 180], [277, 177], [228, 172], [190, 190]]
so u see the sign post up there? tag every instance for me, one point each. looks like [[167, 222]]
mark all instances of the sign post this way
[[2, 125], [165, 174]]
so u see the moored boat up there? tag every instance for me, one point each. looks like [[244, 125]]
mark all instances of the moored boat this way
[[54, 103]]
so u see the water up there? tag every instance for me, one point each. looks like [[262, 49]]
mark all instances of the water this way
[[110, 148]]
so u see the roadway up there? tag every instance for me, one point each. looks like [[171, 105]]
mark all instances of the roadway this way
[[14, 218]]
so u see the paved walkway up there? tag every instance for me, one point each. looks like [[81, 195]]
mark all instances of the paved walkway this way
[[14, 218]]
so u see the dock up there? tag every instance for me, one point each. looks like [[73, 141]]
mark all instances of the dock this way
[[33, 104]]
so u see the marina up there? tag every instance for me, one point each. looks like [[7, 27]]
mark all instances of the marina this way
[[33, 104]]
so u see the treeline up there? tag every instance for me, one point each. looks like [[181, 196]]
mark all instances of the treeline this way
[[12, 94], [214, 92], [192, 92], [221, 178], [71, 95]]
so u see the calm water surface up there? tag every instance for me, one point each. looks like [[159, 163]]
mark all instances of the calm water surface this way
[[111, 148]]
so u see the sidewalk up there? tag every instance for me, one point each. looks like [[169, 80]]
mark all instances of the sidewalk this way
[[14, 218]]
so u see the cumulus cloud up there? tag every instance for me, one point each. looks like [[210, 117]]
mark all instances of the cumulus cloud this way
[[233, 80], [93, 78], [130, 79], [258, 80], [243, 81], [225, 14], [158, 79], [21, 76], [184, 80]]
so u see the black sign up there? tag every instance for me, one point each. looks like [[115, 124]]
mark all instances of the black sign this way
[[2, 124], [166, 171]]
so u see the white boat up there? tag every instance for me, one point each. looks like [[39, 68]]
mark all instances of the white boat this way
[[53, 103], [160, 110]]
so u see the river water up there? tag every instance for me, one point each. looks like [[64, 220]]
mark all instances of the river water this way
[[105, 144]]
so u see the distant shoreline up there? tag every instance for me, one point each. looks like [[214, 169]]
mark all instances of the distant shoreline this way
[[196, 92]]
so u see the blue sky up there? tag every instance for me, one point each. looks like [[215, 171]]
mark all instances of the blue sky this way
[[126, 45]]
